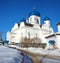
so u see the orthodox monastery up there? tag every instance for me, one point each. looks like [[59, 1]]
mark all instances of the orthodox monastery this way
[[31, 31]]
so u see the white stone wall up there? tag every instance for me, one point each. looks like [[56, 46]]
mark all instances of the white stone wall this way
[[33, 19], [22, 25], [47, 22], [19, 34], [58, 41], [29, 32], [58, 28], [50, 38], [46, 29], [15, 27], [25, 31]]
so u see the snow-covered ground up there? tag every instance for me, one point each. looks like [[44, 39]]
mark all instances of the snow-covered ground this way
[[42, 59], [11, 55], [48, 60], [54, 52]]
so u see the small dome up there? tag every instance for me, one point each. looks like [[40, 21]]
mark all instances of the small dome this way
[[23, 20], [46, 18], [34, 12], [52, 42]]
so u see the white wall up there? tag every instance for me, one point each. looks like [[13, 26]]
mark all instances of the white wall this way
[[15, 27], [46, 29], [21, 32], [47, 22], [50, 38], [22, 24], [58, 28], [58, 41], [33, 19]]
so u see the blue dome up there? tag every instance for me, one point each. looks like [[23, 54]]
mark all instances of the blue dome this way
[[34, 12], [46, 18], [52, 42], [23, 20]]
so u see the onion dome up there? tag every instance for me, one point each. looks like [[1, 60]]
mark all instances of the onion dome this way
[[46, 18], [52, 42], [23, 20], [34, 12]]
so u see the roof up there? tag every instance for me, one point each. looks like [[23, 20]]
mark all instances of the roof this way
[[57, 33], [50, 36], [28, 24], [58, 23], [46, 18], [34, 12]]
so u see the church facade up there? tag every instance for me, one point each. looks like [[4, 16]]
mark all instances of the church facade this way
[[31, 31]]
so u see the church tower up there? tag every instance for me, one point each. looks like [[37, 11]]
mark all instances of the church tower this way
[[47, 21], [34, 17], [46, 28]]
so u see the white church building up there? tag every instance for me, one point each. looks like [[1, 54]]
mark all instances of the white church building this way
[[30, 30]]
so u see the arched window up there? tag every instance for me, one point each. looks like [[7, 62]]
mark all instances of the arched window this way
[[37, 21]]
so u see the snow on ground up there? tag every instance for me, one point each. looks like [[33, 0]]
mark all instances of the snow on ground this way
[[48, 60], [42, 59], [37, 50], [9, 55], [55, 52], [27, 59]]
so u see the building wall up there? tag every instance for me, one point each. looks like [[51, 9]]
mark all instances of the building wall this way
[[34, 19], [58, 28], [17, 34], [58, 41], [26, 32], [50, 38]]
